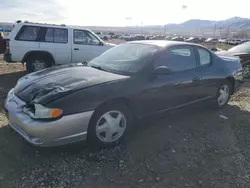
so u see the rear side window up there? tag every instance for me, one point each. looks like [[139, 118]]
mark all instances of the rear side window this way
[[181, 52], [204, 56], [28, 33], [56, 35]]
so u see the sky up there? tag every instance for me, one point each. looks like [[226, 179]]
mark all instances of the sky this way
[[120, 12]]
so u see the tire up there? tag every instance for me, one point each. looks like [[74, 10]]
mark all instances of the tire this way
[[107, 134], [42, 61], [221, 100]]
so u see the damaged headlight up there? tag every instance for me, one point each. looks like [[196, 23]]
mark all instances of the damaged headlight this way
[[38, 111]]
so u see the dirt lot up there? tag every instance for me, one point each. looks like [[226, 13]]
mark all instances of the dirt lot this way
[[191, 148]]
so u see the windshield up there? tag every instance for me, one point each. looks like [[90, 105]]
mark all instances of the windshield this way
[[244, 48], [126, 58]]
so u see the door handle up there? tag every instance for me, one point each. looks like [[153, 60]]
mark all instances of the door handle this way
[[195, 79], [76, 48]]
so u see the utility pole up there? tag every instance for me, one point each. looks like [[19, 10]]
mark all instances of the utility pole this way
[[214, 31], [141, 27], [220, 31], [165, 29]]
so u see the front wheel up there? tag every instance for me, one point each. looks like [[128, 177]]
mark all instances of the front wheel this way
[[34, 64], [223, 94], [109, 125]]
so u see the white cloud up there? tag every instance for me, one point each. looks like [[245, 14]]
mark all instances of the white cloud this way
[[114, 12]]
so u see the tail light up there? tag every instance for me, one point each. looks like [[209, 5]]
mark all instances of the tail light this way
[[7, 46]]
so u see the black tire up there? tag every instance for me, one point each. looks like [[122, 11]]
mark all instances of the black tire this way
[[92, 138], [30, 61], [229, 85]]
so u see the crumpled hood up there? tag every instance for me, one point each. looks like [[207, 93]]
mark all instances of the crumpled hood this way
[[51, 83]]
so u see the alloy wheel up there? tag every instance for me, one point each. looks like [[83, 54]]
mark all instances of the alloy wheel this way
[[38, 65], [223, 95], [111, 126]]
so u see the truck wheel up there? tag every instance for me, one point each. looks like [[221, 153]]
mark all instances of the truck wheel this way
[[36, 63]]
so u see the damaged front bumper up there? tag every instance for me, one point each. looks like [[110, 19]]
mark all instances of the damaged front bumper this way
[[68, 129]]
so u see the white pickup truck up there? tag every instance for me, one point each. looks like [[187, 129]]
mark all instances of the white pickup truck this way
[[43, 45]]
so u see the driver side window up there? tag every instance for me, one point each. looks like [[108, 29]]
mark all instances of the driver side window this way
[[85, 37]]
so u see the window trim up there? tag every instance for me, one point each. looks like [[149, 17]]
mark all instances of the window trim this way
[[198, 57], [43, 39], [21, 31], [85, 44]]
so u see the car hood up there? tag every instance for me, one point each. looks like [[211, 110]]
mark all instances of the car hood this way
[[229, 53], [110, 44], [49, 84]]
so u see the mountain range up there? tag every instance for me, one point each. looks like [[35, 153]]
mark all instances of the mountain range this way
[[232, 23], [195, 26]]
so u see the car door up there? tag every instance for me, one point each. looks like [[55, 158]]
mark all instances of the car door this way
[[55, 41], [176, 88], [207, 77], [86, 46]]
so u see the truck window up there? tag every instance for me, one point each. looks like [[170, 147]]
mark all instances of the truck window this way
[[56, 35], [85, 37], [28, 33]]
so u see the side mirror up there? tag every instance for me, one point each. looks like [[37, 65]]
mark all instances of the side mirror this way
[[101, 43], [162, 70]]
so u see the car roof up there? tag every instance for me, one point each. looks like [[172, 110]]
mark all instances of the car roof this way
[[53, 25], [164, 43]]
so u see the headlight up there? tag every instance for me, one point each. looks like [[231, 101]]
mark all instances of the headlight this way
[[39, 111]]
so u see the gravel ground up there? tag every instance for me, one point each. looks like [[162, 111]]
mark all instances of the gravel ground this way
[[191, 148]]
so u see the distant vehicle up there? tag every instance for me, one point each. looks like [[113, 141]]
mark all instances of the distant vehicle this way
[[98, 34], [243, 52], [45, 45], [193, 39], [235, 41], [126, 37], [223, 41], [168, 38], [137, 37], [158, 37], [211, 40], [202, 39], [99, 102], [177, 39], [111, 34]]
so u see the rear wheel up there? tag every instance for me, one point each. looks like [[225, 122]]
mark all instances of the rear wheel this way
[[223, 94], [36, 63], [109, 125]]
